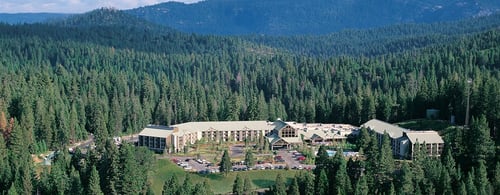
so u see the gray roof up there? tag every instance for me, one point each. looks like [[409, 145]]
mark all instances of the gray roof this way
[[279, 124], [380, 126], [224, 126], [424, 136], [156, 131]]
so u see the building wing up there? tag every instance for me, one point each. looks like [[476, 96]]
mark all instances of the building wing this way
[[380, 127]]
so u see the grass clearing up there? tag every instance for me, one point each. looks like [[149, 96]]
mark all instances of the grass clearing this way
[[220, 184]]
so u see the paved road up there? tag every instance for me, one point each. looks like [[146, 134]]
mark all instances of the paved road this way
[[83, 145]]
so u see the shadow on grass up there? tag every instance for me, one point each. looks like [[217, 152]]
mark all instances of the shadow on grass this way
[[214, 176], [263, 183]]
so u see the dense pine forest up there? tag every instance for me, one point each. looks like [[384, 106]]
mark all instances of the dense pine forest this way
[[62, 81]]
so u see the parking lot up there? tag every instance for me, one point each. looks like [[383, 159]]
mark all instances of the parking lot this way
[[282, 160]]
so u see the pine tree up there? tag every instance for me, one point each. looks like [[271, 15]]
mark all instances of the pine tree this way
[[321, 161], [406, 179], [76, 186], [482, 183], [342, 183], [384, 167], [202, 189], [461, 189], [225, 164], [93, 186], [238, 185], [279, 187], [306, 183], [186, 187], [469, 183], [361, 186], [249, 160], [12, 190], [170, 186], [5, 172], [3, 122], [479, 133], [247, 185], [322, 183], [129, 171], [444, 186], [294, 187], [496, 179], [363, 140]]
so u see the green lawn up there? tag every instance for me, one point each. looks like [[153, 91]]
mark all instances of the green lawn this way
[[220, 184]]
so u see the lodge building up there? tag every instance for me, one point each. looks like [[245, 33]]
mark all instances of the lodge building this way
[[280, 134], [404, 141]]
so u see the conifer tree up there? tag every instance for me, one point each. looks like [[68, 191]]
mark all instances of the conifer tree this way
[[306, 183], [247, 185], [129, 171], [249, 160], [461, 189], [406, 179], [321, 161], [444, 186], [482, 182], [361, 186], [470, 186], [279, 187], [202, 189], [322, 184], [5, 172], [93, 186], [186, 187], [496, 179], [225, 164], [294, 187], [238, 185], [76, 186], [13, 190], [384, 167], [479, 133], [170, 186], [342, 182]]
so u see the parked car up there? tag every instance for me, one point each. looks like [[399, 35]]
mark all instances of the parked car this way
[[301, 158]]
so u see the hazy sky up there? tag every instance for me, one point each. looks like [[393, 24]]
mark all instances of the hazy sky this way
[[73, 6]]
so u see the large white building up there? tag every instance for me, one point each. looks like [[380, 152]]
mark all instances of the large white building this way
[[404, 141], [279, 134], [178, 136]]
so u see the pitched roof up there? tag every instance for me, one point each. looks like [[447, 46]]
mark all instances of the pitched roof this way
[[424, 136], [381, 126], [156, 131]]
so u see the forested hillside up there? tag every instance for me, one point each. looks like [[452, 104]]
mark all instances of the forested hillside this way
[[60, 82], [378, 41], [285, 17]]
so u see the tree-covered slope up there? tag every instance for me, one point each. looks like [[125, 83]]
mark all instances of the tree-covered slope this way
[[23, 18], [59, 83], [377, 41], [284, 17]]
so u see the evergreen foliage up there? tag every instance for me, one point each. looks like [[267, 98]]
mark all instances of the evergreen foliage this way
[[225, 164], [60, 83]]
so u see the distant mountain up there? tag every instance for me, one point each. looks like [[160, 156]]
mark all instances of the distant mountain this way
[[377, 41], [117, 29], [109, 17], [292, 17], [30, 18]]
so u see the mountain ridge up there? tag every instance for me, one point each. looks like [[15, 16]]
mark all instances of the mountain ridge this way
[[283, 17]]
